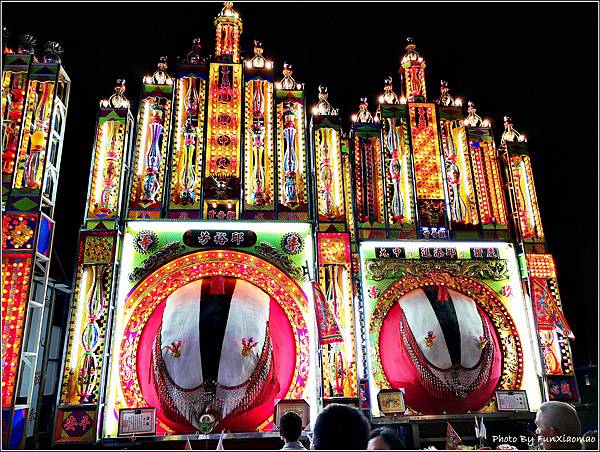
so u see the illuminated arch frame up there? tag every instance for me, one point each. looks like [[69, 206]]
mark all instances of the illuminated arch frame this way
[[147, 295], [486, 299]]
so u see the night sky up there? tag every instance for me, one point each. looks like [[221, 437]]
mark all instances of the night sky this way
[[535, 62]]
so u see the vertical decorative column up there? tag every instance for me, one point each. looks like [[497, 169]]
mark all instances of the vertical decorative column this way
[[398, 165], [188, 138], [34, 108], [425, 146], [81, 387], [259, 157], [525, 210], [329, 190], [464, 217], [429, 182], [292, 163], [487, 180], [539, 267], [152, 144], [15, 76], [368, 174]]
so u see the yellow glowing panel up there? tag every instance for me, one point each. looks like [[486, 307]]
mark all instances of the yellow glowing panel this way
[[368, 182], [14, 86], [291, 154], [106, 170], [330, 190], [32, 153], [151, 152], [186, 162], [398, 170], [463, 207], [224, 121], [258, 161], [528, 212], [490, 195], [426, 151]]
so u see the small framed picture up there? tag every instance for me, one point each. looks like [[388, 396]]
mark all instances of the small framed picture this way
[[298, 406], [137, 421], [512, 400], [391, 401]]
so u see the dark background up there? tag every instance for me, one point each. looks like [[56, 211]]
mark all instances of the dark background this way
[[535, 62]]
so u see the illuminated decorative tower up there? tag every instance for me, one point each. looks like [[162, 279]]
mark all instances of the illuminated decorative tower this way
[[222, 171], [422, 118], [292, 162], [34, 108], [152, 144], [334, 219], [229, 28], [398, 165], [187, 149], [95, 281], [259, 158], [539, 267]]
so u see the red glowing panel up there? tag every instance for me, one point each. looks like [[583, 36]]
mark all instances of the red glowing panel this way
[[18, 231], [541, 266], [16, 273]]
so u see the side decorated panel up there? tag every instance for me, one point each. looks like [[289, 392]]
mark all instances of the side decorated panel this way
[[368, 183], [16, 280], [335, 316], [152, 143], [87, 325], [429, 182], [213, 323], [553, 330], [417, 295], [464, 217], [259, 156], [488, 184], [292, 164], [328, 167], [107, 175], [526, 210], [188, 143], [399, 174], [32, 151], [222, 190], [83, 370], [14, 89]]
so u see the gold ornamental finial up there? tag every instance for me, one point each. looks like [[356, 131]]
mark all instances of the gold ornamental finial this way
[[258, 60], [324, 107], [411, 53], [445, 98], [288, 82], [160, 76], [363, 116], [118, 99], [510, 133], [472, 119], [228, 10], [388, 96]]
